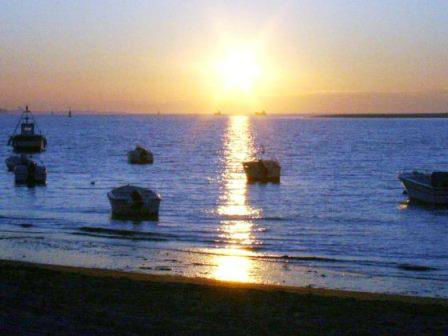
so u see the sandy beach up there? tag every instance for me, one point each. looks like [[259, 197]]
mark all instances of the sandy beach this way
[[41, 299]]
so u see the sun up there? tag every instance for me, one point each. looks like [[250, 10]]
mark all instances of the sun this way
[[239, 70]]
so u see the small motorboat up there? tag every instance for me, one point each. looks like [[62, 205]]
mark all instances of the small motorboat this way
[[426, 187], [134, 202], [30, 173], [262, 171], [28, 141], [15, 160], [140, 155]]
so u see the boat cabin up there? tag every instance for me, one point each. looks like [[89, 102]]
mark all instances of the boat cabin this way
[[27, 140], [27, 128]]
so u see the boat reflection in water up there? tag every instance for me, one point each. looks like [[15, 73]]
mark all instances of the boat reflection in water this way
[[236, 228]]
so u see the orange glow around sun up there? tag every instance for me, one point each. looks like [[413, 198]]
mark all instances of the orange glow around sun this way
[[239, 70], [238, 78]]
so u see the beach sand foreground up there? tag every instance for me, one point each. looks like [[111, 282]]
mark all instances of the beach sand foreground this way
[[57, 300]]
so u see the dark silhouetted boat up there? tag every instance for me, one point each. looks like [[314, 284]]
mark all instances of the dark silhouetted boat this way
[[140, 155], [262, 171], [426, 187], [15, 160], [31, 173], [261, 113], [134, 202], [28, 141]]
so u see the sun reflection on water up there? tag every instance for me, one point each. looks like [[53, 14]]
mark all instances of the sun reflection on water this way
[[237, 226], [238, 147], [233, 267]]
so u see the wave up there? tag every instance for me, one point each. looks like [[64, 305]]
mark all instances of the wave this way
[[419, 268], [101, 232], [250, 250], [371, 263], [95, 235], [22, 218], [306, 260], [255, 218], [19, 237], [124, 233]]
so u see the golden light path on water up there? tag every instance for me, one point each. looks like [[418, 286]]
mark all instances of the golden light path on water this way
[[236, 227]]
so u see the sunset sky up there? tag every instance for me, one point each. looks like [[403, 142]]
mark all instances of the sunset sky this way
[[332, 56]]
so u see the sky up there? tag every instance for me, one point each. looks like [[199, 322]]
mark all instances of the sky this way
[[302, 56]]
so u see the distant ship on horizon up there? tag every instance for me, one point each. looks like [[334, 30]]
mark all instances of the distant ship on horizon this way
[[218, 112], [262, 113]]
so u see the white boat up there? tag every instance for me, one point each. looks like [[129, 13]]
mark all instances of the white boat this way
[[30, 173], [28, 141], [140, 155], [262, 171], [134, 202], [426, 187], [15, 160]]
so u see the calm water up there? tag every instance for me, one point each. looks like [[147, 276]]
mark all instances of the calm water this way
[[337, 220]]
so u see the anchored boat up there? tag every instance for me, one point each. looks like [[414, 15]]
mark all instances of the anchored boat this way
[[30, 173], [262, 171], [28, 141], [426, 187], [134, 202], [140, 155], [15, 160]]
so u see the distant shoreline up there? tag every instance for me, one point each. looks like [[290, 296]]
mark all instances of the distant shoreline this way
[[298, 115], [383, 115]]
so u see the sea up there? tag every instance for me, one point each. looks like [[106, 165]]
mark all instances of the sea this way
[[338, 219]]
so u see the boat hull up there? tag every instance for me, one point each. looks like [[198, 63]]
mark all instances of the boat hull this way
[[28, 144], [10, 165], [22, 175], [12, 162], [139, 157], [134, 202], [424, 192], [125, 209], [16, 160]]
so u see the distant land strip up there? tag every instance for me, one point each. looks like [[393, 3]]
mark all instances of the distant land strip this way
[[383, 115]]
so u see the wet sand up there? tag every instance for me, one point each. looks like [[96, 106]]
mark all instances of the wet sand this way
[[41, 299]]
